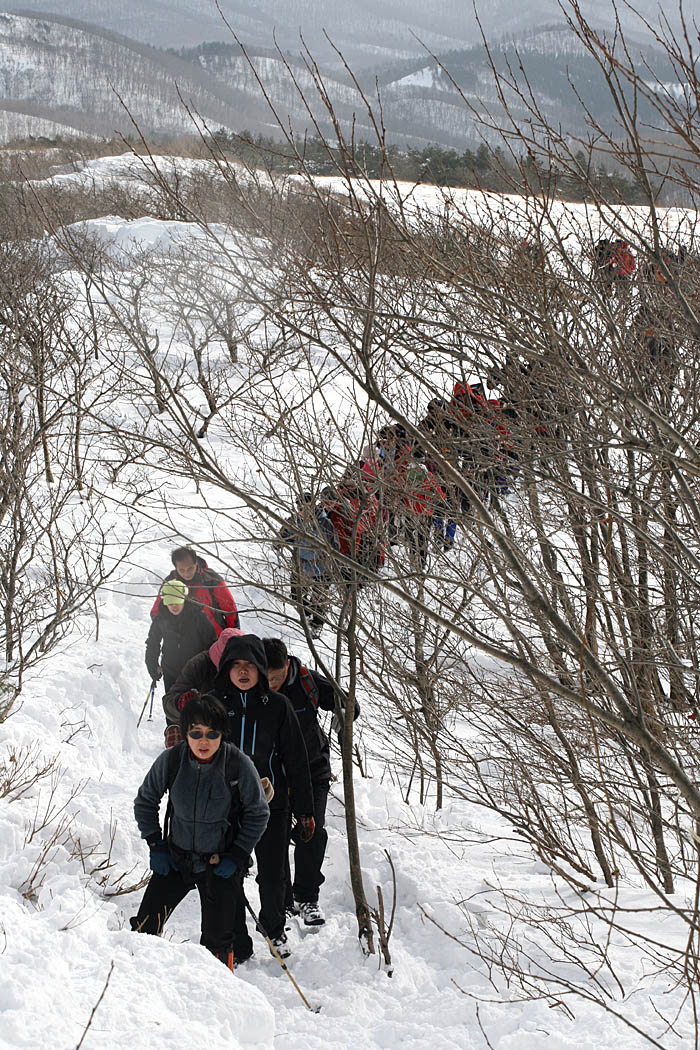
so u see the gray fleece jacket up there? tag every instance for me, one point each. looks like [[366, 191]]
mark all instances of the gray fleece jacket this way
[[201, 804]]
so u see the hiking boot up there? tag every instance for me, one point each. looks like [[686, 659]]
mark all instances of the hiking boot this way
[[310, 913], [242, 949], [280, 943], [292, 909]]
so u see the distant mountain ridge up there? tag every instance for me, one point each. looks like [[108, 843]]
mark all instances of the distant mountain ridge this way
[[82, 77], [367, 33]]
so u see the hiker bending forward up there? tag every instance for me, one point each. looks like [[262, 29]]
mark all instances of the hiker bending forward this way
[[215, 817]]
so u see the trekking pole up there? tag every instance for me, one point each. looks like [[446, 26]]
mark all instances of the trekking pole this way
[[280, 960], [148, 697], [153, 690]]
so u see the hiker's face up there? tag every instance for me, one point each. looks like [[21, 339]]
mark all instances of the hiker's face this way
[[201, 746], [276, 676], [175, 610], [186, 568], [243, 674]]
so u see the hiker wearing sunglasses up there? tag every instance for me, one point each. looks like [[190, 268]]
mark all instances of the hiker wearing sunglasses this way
[[215, 817]]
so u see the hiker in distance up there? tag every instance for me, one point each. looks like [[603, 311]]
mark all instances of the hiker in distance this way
[[179, 629], [263, 724], [215, 817], [205, 586], [307, 691], [310, 534]]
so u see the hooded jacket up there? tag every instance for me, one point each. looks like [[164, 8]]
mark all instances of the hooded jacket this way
[[262, 723], [210, 592], [181, 637]]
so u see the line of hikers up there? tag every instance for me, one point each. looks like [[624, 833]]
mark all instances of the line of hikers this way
[[399, 492], [246, 769]]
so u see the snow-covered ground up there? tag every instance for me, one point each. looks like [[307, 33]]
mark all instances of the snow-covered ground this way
[[70, 856], [64, 935]]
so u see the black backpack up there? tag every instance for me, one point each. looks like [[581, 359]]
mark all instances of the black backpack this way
[[232, 772]]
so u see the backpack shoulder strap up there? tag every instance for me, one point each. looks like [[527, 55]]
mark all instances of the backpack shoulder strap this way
[[309, 685], [232, 773], [174, 759]]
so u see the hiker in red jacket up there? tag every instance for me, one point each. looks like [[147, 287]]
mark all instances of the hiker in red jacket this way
[[355, 515], [205, 587], [614, 264]]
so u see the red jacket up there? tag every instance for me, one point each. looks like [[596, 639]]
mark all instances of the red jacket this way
[[409, 487], [356, 512], [468, 403], [209, 589], [622, 261], [424, 494]]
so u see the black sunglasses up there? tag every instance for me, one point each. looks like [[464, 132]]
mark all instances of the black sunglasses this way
[[211, 734]]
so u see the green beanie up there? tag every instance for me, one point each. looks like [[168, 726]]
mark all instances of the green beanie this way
[[173, 592]]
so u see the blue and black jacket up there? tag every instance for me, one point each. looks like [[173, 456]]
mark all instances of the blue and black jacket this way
[[264, 726]]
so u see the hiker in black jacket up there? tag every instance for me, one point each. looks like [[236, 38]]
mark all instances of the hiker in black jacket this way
[[180, 628], [216, 815], [307, 691], [197, 676], [263, 724]]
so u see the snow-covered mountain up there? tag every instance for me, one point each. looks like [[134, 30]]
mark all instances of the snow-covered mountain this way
[[83, 78], [365, 32], [58, 75]]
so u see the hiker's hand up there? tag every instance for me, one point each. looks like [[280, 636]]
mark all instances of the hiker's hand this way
[[159, 860], [226, 868], [184, 699]]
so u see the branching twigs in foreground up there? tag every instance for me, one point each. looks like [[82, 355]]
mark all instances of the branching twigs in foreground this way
[[94, 1009]]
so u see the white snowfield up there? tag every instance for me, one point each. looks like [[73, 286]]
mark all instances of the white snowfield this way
[[65, 943]]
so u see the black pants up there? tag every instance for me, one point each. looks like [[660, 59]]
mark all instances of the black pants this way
[[219, 901], [270, 854], [308, 856]]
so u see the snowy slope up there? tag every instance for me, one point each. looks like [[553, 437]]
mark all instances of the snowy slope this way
[[60, 944], [64, 931], [88, 79]]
